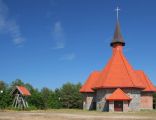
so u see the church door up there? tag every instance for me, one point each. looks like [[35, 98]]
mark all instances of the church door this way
[[118, 105]]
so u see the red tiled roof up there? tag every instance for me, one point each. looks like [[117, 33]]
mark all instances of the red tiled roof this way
[[146, 81], [118, 94], [90, 83], [24, 91], [118, 73]]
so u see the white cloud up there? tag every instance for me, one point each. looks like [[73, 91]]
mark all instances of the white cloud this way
[[70, 56], [58, 35], [59, 41], [9, 26], [14, 30]]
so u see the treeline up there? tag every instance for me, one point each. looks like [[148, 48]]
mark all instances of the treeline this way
[[67, 96]]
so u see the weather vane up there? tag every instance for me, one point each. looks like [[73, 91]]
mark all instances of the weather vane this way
[[117, 12]]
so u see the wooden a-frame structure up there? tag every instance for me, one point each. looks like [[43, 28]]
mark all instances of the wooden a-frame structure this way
[[20, 93]]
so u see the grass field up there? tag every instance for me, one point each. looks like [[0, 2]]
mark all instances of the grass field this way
[[66, 114]]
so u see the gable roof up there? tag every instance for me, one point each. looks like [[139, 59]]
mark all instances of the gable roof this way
[[90, 83], [118, 94], [23, 91], [118, 73], [149, 86]]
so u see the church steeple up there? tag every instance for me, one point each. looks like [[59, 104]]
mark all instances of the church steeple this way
[[117, 39]]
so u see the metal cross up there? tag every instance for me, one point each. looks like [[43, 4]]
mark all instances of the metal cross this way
[[117, 12]]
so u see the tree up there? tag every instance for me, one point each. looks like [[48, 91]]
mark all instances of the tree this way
[[77, 96], [54, 101], [2, 85], [67, 96], [46, 94], [17, 82], [70, 96], [35, 100], [5, 98], [29, 87]]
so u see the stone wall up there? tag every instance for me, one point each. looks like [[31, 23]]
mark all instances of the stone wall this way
[[101, 103], [134, 104], [146, 100], [88, 99]]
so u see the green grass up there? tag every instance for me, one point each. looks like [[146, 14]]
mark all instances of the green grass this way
[[148, 113]]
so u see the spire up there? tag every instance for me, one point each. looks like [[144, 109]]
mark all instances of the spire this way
[[117, 34]]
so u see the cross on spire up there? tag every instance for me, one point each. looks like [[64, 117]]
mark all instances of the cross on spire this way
[[117, 39], [117, 12]]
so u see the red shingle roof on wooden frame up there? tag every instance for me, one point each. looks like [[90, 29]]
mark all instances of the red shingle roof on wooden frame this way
[[24, 91]]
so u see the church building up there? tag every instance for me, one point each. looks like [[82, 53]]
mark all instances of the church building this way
[[118, 87]]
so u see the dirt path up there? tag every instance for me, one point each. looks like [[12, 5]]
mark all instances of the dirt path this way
[[67, 116]]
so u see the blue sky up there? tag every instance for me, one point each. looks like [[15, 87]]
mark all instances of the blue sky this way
[[51, 42]]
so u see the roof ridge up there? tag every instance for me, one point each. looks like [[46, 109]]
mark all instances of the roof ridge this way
[[18, 87], [118, 94], [147, 80], [108, 71], [127, 69], [109, 67], [123, 92]]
